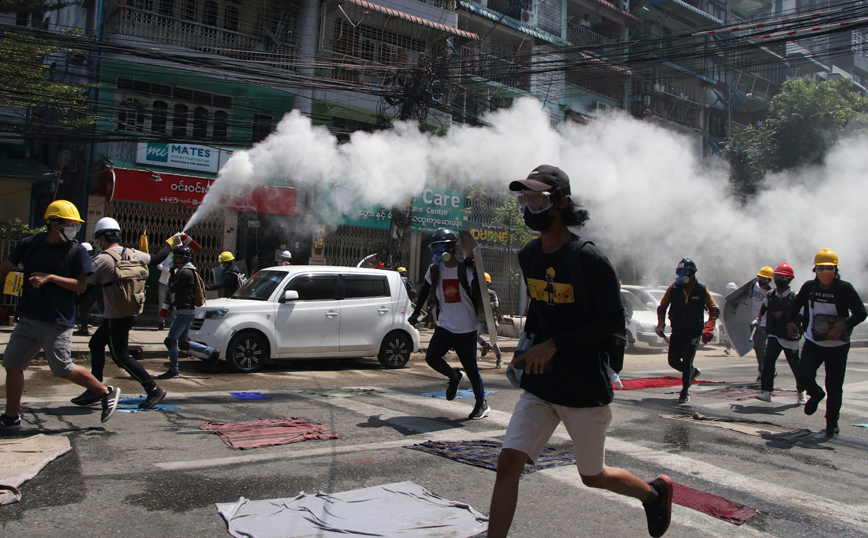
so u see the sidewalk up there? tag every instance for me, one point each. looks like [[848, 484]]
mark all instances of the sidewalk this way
[[147, 342]]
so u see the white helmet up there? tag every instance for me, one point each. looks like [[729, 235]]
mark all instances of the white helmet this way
[[107, 226], [285, 255], [87, 247]]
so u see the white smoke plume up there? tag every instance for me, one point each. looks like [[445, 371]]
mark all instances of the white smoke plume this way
[[651, 201]]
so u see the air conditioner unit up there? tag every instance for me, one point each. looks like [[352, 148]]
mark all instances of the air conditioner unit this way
[[600, 106], [528, 17]]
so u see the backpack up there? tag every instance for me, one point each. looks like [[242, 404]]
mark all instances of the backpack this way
[[473, 292], [126, 293], [199, 290]]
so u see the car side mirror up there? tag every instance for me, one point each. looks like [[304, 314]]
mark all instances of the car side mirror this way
[[289, 295], [650, 305]]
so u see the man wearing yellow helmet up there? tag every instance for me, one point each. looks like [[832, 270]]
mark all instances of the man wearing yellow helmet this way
[[411, 289], [759, 298], [232, 276], [56, 267], [825, 310]]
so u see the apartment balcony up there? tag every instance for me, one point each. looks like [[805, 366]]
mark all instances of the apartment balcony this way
[[487, 67], [687, 11], [151, 26], [671, 108], [753, 91], [747, 9]]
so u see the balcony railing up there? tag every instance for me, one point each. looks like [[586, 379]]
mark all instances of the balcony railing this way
[[578, 35], [487, 66], [755, 86], [673, 108], [134, 22]]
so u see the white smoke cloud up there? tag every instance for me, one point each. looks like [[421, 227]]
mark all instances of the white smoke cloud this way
[[651, 201]]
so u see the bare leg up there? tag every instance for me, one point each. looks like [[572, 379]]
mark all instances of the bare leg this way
[[504, 498], [14, 390], [82, 377], [619, 481]]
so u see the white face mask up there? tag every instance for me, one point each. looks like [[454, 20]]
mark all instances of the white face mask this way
[[69, 232]]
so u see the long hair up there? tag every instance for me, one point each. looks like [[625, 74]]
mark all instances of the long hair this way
[[573, 215]]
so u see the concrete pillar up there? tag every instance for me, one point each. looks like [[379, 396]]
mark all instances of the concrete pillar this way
[[307, 40]]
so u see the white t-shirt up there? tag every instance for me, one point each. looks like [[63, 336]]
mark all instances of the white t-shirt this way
[[457, 314], [759, 297], [104, 272]]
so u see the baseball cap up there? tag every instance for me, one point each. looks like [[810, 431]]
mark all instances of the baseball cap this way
[[544, 178]]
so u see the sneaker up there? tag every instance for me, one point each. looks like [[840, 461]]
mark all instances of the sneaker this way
[[832, 430], [452, 387], [168, 375], [812, 403], [499, 363], [802, 398], [726, 351], [765, 396], [659, 512], [684, 398], [86, 398], [13, 423], [154, 397], [480, 411], [110, 403], [485, 349], [498, 354]]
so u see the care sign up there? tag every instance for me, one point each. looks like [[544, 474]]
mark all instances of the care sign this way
[[431, 209], [186, 156]]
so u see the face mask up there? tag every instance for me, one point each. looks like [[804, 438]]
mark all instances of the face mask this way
[[440, 252], [826, 277], [781, 285], [538, 222], [682, 279], [764, 282], [69, 232]]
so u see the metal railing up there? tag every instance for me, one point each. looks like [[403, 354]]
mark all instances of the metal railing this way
[[134, 22], [476, 63], [578, 35], [673, 108], [755, 85]]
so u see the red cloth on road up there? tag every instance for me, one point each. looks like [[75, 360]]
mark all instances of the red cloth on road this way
[[653, 382], [711, 504], [268, 432]]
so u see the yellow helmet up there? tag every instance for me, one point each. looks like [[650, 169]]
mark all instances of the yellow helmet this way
[[61, 209], [766, 272], [488, 278], [826, 257], [226, 257], [402, 269]]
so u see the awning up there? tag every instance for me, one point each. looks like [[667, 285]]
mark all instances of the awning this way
[[693, 13], [25, 169], [500, 18], [612, 7], [412, 18], [798, 51]]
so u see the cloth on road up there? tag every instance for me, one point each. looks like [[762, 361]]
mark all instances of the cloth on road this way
[[653, 382], [466, 393], [249, 396], [22, 459], [401, 509], [268, 432], [346, 392], [131, 405], [711, 504], [745, 393], [767, 430], [484, 454]]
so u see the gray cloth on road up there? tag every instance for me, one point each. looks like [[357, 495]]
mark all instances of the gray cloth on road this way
[[399, 510], [21, 459]]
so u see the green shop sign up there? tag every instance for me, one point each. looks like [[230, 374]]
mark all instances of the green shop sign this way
[[432, 209]]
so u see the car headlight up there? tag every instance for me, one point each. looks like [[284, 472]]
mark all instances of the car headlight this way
[[216, 314]]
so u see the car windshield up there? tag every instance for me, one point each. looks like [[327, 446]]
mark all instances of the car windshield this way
[[634, 301], [260, 286]]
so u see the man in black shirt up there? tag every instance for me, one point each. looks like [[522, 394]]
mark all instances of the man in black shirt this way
[[575, 306]]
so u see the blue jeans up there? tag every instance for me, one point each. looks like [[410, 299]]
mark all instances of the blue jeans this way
[[178, 332]]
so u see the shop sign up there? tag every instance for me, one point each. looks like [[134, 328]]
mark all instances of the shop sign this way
[[432, 209], [185, 156], [173, 189]]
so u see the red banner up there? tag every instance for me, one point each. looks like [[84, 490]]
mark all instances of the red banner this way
[[173, 189]]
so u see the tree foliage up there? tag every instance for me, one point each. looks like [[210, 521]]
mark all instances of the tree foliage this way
[[17, 230], [805, 121]]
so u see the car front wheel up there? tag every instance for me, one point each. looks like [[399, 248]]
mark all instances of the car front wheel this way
[[247, 352], [395, 350]]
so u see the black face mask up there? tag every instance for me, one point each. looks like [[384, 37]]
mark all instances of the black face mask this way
[[782, 284], [538, 222]]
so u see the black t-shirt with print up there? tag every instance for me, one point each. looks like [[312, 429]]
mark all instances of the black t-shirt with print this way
[[578, 377]]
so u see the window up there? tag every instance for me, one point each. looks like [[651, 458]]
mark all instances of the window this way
[[261, 127], [260, 286], [160, 117], [188, 10], [131, 116], [167, 8], [355, 287], [230, 18], [200, 124], [221, 126], [316, 288], [209, 15], [179, 121]]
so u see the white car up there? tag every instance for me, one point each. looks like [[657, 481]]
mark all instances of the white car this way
[[302, 311], [642, 326]]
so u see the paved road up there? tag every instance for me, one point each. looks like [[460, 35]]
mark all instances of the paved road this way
[[138, 477]]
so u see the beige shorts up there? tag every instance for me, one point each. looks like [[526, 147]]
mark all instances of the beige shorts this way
[[534, 420]]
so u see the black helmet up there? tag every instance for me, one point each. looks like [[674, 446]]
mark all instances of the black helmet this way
[[444, 235], [184, 252], [687, 263]]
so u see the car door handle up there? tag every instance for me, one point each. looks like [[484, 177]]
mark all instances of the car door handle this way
[[331, 314], [383, 310]]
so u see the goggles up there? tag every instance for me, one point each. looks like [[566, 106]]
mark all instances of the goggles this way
[[535, 202], [684, 272], [438, 248]]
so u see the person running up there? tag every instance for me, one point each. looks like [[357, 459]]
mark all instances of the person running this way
[[759, 299], [832, 307], [56, 267], [778, 306], [482, 328], [182, 284], [119, 310], [453, 283], [575, 305], [230, 281], [687, 301]]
